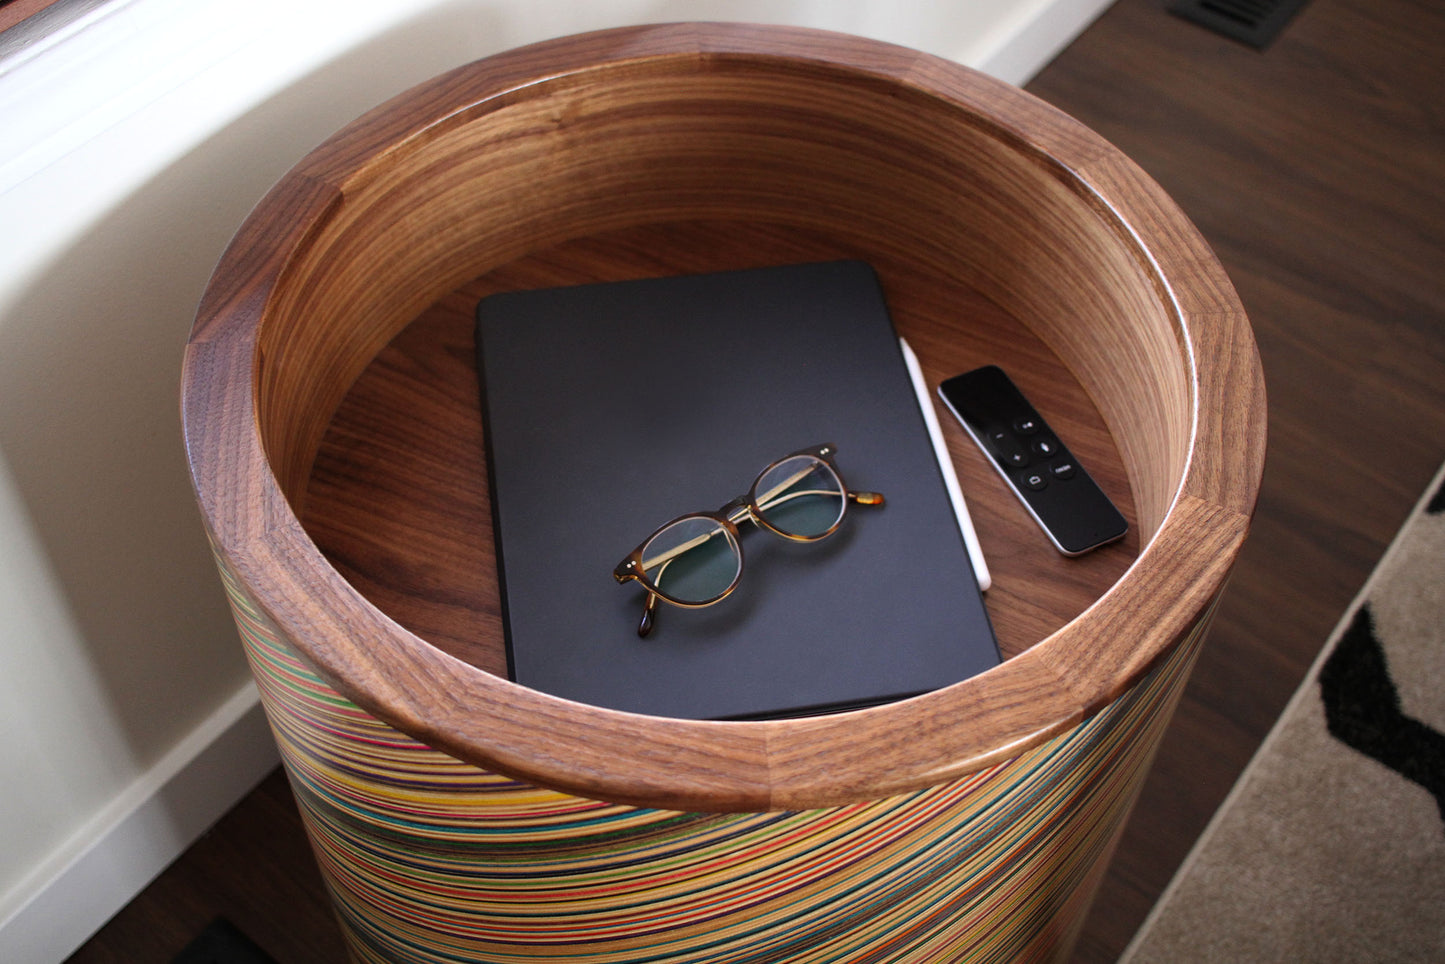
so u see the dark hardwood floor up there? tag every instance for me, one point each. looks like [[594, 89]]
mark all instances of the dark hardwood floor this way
[[1315, 168]]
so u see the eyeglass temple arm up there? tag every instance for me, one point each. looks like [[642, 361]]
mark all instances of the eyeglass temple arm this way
[[738, 514], [649, 564], [649, 615], [742, 512], [768, 498]]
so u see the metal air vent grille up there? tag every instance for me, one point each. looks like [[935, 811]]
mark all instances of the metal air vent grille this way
[[1254, 22]]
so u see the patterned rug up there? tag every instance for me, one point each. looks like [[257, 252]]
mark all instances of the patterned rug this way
[[1331, 847]]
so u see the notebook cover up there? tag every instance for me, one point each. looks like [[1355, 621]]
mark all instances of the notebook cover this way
[[612, 408]]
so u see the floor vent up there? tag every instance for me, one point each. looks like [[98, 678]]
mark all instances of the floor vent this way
[[1255, 22]]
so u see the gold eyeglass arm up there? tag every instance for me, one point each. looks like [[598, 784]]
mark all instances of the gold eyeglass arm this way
[[766, 498], [677, 550], [744, 512]]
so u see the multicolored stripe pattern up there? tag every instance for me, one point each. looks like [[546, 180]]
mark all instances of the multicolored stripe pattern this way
[[430, 859]]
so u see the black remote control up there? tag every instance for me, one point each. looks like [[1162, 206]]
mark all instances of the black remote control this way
[[1065, 501]]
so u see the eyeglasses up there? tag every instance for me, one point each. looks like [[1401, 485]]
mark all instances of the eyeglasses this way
[[696, 560]]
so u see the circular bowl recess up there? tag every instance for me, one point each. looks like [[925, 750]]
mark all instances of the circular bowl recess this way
[[890, 150]]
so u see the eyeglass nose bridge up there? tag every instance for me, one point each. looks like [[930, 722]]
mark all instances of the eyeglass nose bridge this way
[[737, 511]]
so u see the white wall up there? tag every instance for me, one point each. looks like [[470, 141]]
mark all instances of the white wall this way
[[132, 144]]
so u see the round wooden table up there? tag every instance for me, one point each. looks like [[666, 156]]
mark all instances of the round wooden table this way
[[335, 439]]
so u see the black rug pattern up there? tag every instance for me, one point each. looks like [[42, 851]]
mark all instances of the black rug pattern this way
[[1362, 703], [1326, 849]]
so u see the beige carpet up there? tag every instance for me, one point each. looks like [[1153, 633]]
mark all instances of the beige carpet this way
[[1331, 847]]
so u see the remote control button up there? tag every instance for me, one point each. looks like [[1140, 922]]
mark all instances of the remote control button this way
[[1045, 446], [1035, 480], [1006, 448], [1010, 454], [1062, 470], [1026, 425]]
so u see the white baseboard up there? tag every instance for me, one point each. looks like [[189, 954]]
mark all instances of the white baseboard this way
[[124, 847], [1037, 34]]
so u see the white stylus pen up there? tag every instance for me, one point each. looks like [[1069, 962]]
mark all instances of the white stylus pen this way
[[945, 464]]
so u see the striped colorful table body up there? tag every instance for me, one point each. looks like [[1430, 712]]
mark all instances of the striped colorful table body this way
[[430, 859]]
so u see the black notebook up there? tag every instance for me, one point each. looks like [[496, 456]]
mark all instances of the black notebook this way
[[613, 408]]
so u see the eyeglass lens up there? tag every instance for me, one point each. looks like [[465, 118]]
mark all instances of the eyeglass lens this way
[[693, 560], [800, 496]]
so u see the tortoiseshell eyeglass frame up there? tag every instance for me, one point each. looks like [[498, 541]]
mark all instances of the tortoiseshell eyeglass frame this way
[[744, 507]]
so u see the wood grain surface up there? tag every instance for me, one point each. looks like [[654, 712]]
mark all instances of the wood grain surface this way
[[398, 497], [1002, 231]]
